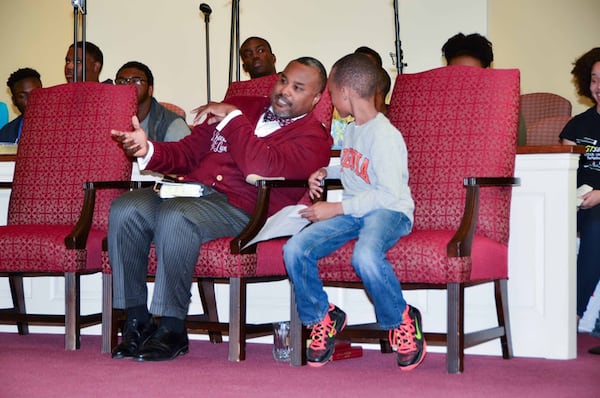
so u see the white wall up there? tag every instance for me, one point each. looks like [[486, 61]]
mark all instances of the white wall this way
[[540, 38], [169, 36], [543, 38]]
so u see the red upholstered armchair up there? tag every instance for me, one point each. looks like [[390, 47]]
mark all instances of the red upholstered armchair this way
[[538, 106], [459, 124], [261, 86], [545, 115], [546, 130], [56, 220]]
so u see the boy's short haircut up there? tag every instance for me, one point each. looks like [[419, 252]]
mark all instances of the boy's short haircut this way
[[357, 72]]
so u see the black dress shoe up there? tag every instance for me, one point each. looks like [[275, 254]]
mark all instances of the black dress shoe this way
[[594, 350], [163, 345], [134, 334]]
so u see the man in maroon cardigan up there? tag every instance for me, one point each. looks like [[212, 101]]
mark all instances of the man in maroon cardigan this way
[[276, 137]]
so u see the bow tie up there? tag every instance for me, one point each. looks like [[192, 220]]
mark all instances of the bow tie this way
[[271, 117]]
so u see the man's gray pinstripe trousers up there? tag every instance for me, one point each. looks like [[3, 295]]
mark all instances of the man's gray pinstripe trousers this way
[[177, 227]]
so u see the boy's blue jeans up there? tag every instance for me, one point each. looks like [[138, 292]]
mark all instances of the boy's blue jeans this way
[[376, 231]]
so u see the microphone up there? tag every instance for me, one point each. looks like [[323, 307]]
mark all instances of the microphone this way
[[206, 10], [80, 4]]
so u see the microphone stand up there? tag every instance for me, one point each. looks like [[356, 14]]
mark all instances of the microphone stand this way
[[78, 7], [234, 44], [399, 56], [206, 10]]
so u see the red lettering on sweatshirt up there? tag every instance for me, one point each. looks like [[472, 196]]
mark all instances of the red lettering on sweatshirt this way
[[354, 161]]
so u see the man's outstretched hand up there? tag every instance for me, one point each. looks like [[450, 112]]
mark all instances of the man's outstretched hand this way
[[134, 143]]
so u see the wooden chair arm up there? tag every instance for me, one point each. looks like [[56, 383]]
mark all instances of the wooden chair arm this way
[[77, 238], [461, 243], [260, 214]]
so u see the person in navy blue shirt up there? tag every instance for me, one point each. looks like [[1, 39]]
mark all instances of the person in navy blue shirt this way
[[584, 129], [20, 83]]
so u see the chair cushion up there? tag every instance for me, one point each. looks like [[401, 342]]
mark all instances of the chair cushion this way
[[419, 257], [41, 248], [254, 87], [215, 261]]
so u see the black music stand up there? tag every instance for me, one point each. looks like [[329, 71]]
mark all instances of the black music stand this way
[[206, 10]]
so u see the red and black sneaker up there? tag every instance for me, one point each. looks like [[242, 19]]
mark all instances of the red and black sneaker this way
[[322, 337], [408, 340]]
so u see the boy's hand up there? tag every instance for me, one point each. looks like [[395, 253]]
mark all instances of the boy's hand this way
[[315, 181], [322, 211]]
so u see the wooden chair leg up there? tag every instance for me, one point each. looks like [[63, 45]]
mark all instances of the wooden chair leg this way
[[72, 311], [501, 292], [297, 335], [206, 289], [18, 297], [385, 346], [107, 314], [455, 339], [237, 319], [118, 321]]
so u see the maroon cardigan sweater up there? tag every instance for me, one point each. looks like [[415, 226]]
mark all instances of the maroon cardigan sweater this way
[[223, 160]]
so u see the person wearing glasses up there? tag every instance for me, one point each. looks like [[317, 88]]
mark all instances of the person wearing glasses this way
[[157, 121]]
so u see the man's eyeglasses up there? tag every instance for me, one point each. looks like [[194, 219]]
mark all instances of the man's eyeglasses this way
[[129, 80]]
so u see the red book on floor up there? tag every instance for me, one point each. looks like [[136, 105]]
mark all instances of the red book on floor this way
[[342, 344], [344, 350]]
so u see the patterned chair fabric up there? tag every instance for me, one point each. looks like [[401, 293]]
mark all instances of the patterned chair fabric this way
[[546, 130], [538, 106], [51, 229], [260, 86], [543, 114], [458, 122]]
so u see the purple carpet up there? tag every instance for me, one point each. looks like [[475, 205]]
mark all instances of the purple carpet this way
[[37, 366]]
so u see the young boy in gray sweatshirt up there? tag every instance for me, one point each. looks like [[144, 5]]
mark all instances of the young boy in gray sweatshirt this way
[[376, 209]]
